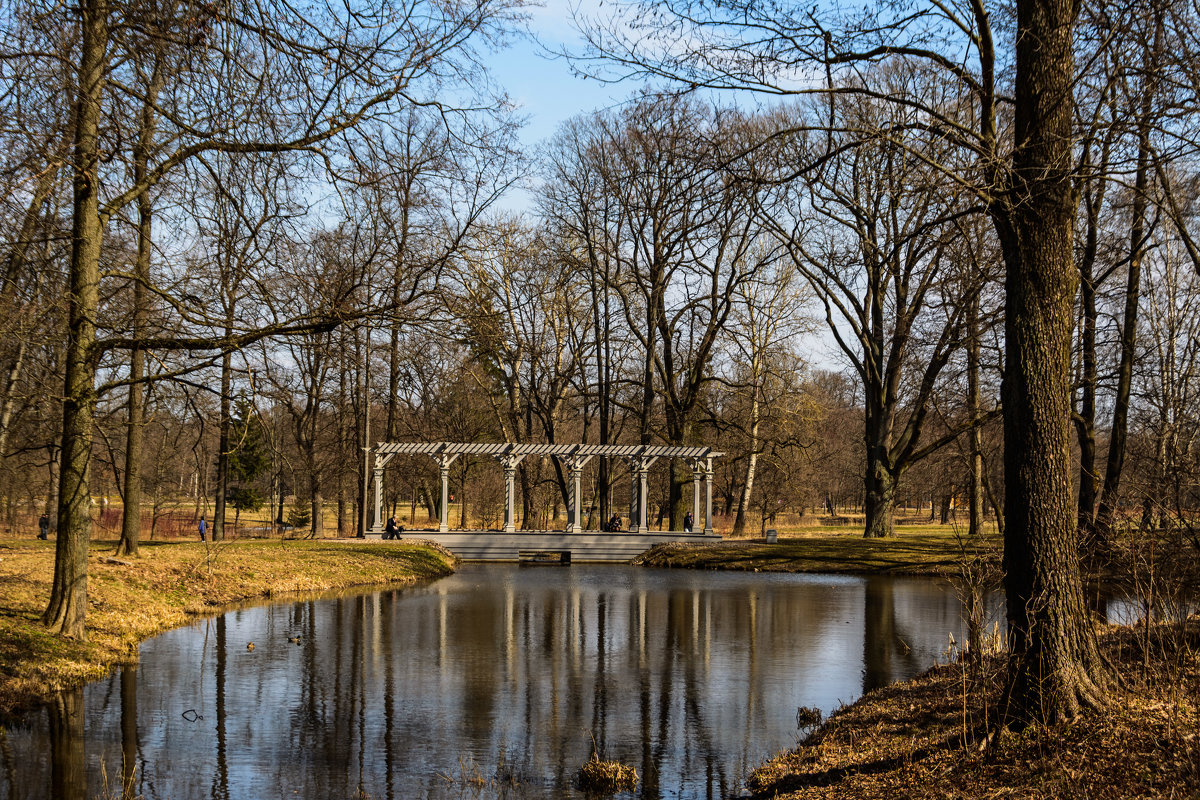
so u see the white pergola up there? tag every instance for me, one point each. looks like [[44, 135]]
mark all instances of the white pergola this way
[[573, 456]]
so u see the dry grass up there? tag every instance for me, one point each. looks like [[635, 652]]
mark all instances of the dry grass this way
[[916, 553], [163, 589], [913, 740], [600, 777]]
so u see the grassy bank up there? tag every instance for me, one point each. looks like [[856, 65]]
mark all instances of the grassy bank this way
[[167, 586], [922, 738], [926, 551]]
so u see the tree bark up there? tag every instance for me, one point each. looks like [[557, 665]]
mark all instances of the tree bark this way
[[880, 499], [1055, 667], [66, 611]]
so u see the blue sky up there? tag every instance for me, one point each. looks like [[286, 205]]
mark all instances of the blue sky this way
[[544, 88]]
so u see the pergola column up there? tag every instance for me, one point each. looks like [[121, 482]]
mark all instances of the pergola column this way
[[697, 473], [378, 492], [510, 462], [575, 466], [639, 470], [708, 476], [381, 460], [444, 462]]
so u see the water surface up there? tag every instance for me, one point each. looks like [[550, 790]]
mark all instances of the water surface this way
[[495, 682]]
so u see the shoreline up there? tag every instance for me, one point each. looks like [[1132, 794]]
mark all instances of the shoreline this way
[[923, 554], [169, 585], [174, 582]]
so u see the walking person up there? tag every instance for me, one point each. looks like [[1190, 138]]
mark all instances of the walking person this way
[[43, 526], [688, 521], [203, 527]]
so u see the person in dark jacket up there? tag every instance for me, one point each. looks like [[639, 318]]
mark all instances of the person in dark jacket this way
[[390, 531]]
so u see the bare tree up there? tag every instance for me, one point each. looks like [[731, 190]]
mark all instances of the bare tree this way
[[672, 240], [872, 230], [266, 78], [765, 323], [1025, 184], [522, 312]]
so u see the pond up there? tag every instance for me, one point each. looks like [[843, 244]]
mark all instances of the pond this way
[[495, 682]]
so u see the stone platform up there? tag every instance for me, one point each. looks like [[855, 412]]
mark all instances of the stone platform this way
[[552, 546]]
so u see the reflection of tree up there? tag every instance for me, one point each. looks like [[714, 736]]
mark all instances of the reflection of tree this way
[[220, 788], [390, 652], [882, 645], [600, 687], [694, 719], [68, 778], [6, 753], [129, 732]]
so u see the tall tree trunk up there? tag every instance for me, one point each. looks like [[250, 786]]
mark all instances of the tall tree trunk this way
[[880, 499], [739, 522], [10, 384], [1055, 667], [1085, 421], [318, 505], [747, 494], [316, 497], [346, 446], [54, 460], [14, 266], [428, 500], [679, 434], [131, 518], [67, 609], [528, 521], [1110, 496], [975, 435], [226, 422], [879, 482], [131, 522]]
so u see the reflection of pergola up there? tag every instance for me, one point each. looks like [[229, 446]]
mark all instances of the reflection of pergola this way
[[573, 456]]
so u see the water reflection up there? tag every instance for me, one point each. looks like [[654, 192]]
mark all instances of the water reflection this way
[[492, 683]]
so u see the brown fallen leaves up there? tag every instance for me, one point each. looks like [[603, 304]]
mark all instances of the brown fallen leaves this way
[[921, 739]]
